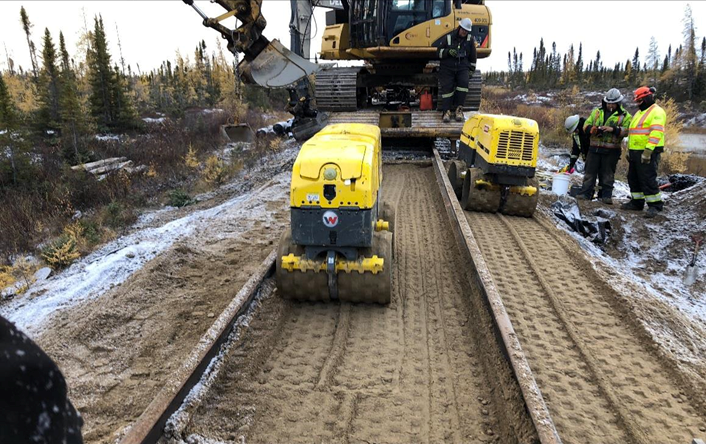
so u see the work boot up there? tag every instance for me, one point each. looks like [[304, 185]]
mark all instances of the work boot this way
[[630, 206], [652, 212], [459, 114], [607, 200], [583, 197], [447, 116]]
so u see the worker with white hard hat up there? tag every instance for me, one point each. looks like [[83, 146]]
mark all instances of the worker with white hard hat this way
[[457, 53]]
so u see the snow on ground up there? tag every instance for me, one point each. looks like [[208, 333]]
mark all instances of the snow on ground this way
[[649, 263], [698, 121], [106, 137], [667, 285], [212, 111], [533, 99], [115, 262], [154, 120]]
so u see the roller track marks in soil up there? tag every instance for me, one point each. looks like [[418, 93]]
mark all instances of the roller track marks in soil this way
[[408, 372], [600, 382]]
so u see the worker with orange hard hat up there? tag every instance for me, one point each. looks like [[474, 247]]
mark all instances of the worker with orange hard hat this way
[[645, 146]]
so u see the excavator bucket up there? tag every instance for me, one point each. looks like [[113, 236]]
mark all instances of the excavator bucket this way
[[240, 132], [277, 67]]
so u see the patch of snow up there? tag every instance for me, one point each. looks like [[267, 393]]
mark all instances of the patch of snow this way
[[114, 263], [106, 137], [212, 111], [154, 120], [698, 121], [51, 132], [532, 99]]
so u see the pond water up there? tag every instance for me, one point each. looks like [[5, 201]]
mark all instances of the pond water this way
[[695, 144]]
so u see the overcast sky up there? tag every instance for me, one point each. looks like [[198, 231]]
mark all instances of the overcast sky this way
[[153, 31]]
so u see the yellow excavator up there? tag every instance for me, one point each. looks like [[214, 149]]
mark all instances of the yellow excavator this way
[[397, 42]]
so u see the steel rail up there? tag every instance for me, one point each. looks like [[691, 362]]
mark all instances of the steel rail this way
[[149, 426], [478, 275]]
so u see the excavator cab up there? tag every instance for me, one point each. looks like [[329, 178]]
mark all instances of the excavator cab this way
[[412, 23]]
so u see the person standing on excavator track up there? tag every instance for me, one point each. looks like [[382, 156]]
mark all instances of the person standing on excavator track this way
[[458, 59], [645, 147], [606, 125]]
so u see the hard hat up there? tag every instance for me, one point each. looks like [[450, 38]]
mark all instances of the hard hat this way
[[613, 96], [642, 92], [571, 123], [467, 24]]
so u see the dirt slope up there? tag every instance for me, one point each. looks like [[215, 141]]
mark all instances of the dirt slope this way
[[599, 376], [420, 370], [118, 350]]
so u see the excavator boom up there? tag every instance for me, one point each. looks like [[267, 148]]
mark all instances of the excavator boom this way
[[265, 63]]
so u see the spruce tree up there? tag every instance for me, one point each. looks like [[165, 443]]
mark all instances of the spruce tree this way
[[652, 62], [72, 120], [49, 86], [689, 59], [101, 78], [8, 125], [27, 27]]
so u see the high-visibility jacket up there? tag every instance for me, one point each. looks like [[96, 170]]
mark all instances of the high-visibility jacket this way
[[647, 129], [620, 119]]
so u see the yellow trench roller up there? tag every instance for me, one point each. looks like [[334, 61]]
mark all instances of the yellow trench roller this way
[[496, 163], [339, 245]]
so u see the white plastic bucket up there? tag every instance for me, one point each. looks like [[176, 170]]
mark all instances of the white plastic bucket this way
[[560, 184]]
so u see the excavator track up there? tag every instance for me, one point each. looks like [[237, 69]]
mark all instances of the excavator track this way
[[337, 89], [474, 92]]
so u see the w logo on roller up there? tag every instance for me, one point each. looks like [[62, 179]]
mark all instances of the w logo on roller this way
[[330, 219]]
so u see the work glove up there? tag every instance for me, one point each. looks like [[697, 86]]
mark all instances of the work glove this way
[[564, 170], [646, 155], [453, 52]]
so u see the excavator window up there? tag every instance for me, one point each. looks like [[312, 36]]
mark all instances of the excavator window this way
[[439, 9], [406, 13], [408, 5]]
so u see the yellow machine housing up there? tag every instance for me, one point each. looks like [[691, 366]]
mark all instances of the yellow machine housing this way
[[340, 242], [409, 36], [496, 164], [506, 145], [356, 161]]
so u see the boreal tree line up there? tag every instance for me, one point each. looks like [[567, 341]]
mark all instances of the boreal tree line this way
[[679, 73], [66, 98]]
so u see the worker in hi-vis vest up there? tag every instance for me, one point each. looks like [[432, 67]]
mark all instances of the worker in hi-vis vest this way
[[645, 146]]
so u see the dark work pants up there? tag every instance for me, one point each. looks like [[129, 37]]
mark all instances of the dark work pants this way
[[453, 85], [601, 166], [34, 407], [642, 178]]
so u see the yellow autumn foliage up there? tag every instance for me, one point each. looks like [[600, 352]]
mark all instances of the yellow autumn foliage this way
[[215, 171], [62, 252], [674, 159], [190, 159]]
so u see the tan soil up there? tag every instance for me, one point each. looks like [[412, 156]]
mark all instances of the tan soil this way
[[599, 373], [424, 369], [118, 350]]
